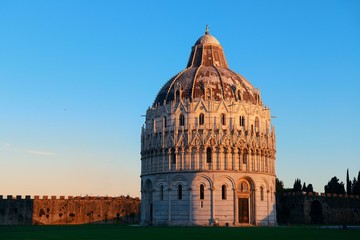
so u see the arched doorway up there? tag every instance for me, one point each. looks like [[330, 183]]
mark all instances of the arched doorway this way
[[243, 210], [244, 205], [316, 212]]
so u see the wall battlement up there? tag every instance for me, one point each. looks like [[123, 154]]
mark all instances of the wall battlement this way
[[316, 194], [67, 210], [307, 208], [46, 197]]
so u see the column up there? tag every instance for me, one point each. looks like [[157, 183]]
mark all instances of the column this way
[[236, 159], [267, 206], [229, 159], [197, 158], [189, 157], [169, 206], [177, 159], [163, 160], [274, 165], [233, 156], [235, 207], [255, 161], [221, 159], [202, 158], [185, 158], [241, 156], [266, 163], [254, 157], [142, 165], [158, 162], [213, 158], [183, 151], [150, 163], [212, 210], [169, 159], [254, 205], [142, 207], [147, 159], [190, 207], [251, 162]]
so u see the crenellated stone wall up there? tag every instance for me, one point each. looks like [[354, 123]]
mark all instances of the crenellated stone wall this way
[[314, 208], [68, 210]]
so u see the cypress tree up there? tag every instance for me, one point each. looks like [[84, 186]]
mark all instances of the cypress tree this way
[[356, 185], [297, 185], [304, 188], [348, 183]]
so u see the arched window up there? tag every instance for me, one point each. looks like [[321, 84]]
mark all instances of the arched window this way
[[257, 124], [161, 192], [223, 119], [242, 121], [181, 120], [208, 155], [262, 193], [244, 187], [266, 163], [177, 95], [164, 122], [245, 156], [202, 191], [252, 160], [239, 95], [179, 191], [201, 119], [223, 192], [154, 124]]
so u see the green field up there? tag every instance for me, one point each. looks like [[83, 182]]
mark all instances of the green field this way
[[183, 233]]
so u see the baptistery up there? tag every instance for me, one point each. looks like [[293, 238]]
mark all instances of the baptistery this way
[[208, 147]]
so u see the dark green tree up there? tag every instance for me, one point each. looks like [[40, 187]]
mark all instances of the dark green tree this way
[[279, 186], [304, 188], [334, 186], [356, 185], [297, 185], [348, 183], [310, 188]]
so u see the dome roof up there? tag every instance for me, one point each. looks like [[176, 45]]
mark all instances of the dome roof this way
[[207, 76], [207, 39]]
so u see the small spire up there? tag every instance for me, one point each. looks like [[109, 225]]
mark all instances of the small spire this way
[[207, 29]]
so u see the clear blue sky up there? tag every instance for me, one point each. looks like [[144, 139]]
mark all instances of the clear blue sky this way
[[76, 76]]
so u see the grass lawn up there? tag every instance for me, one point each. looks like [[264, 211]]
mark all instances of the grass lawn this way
[[184, 233]]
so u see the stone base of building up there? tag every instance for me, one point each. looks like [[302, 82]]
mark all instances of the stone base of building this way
[[208, 199]]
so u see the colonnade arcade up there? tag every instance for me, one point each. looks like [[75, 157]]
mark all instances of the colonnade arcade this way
[[209, 158]]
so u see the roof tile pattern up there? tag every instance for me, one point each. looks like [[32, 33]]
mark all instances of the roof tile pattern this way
[[207, 77]]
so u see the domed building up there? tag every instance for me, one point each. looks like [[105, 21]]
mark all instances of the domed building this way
[[208, 148]]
